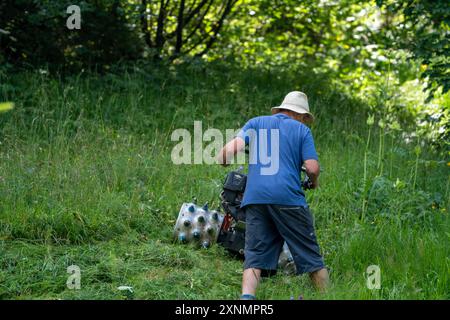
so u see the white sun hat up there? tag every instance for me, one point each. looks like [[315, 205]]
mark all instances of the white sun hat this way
[[295, 101]]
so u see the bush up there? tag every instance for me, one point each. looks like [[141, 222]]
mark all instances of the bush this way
[[35, 33], [397, 200]]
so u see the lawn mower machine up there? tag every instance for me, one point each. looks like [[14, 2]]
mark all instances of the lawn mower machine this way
[[204, 227]]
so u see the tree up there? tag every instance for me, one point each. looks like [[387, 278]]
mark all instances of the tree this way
[[174, 28], [34, 33], [424, 30]]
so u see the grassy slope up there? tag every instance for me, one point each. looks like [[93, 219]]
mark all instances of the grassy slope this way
[[86, 179]]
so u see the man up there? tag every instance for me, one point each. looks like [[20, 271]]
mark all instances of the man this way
[[274, 202]]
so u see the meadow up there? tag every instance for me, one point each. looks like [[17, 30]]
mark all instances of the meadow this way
[[86, 179]]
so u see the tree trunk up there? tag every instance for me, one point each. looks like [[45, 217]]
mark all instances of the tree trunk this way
[[144, 24], [180, 27], [160, 26]]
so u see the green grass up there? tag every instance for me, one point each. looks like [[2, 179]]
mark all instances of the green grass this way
[[86, 178]]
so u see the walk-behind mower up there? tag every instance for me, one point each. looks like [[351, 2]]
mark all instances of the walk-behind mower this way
[[204, 227]]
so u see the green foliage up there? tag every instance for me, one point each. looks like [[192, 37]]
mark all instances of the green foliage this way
[[175, 29], [6, 106], [34, 33], [424, 30], [396, 201]]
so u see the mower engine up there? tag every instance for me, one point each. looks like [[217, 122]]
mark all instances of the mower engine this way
[[232, 231]]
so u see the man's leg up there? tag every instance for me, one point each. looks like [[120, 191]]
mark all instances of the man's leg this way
[[320, 279], [296, 226], [263, 245], [250, 280]]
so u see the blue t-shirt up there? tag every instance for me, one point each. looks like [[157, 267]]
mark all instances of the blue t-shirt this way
[[278, 147]]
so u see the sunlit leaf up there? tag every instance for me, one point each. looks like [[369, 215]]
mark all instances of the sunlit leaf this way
[[6, 106]]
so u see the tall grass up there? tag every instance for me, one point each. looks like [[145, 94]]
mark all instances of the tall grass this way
[[86, 178]]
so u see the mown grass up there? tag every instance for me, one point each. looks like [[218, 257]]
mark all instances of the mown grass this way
[[86, 178]]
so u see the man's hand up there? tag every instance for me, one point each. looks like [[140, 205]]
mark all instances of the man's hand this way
[[229, 150], [312, 170]]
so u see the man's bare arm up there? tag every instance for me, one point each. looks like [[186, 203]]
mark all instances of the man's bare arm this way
[[312, 170], [229, 151]]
